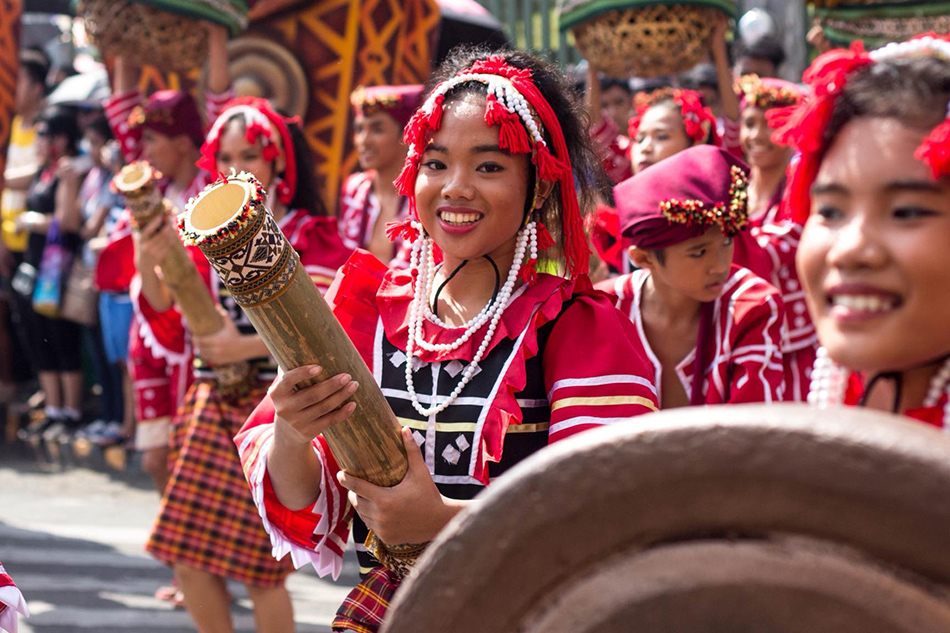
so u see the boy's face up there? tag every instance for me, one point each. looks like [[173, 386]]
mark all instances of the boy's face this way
[[164, 153], [874, 256], [28, 94], [618, 103], [697, 268], [378, 141]]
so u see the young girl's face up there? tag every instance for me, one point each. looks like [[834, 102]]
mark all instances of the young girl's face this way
[[234, 150], [470, 194], [755, 136], [661, 134], [875, 254]]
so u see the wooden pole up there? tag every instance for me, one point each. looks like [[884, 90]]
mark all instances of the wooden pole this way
[[136, 183], [231, 225]]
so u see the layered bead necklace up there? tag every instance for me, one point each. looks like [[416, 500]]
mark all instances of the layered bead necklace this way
[[829, 382], [422, 262]]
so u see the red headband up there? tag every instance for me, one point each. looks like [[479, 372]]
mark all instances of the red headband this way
[[512, 103], [698, 120], [803, 127], [261, 122]]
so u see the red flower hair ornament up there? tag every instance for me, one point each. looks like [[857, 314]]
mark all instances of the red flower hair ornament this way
[[803, 127], [262, 123], [699, 121], [522, 114]]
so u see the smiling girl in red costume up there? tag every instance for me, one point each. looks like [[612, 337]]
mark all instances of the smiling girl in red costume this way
[[873, 185], [484, 359]]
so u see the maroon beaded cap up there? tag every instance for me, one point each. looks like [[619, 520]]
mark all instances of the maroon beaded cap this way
[[680, 197]]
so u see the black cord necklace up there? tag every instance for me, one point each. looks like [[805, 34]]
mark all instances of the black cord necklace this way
[[438, 291]]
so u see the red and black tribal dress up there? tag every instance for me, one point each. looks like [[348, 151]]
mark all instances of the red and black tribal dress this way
[[207, 519], [743, 352], [562, 360]]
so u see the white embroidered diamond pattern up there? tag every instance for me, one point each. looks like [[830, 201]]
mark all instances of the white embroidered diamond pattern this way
[[451, 455]]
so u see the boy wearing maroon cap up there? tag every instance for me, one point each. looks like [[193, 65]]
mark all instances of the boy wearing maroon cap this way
[[369, 201], [713, 330]]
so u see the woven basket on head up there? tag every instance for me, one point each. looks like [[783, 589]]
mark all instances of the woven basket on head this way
[[145, 35], [876, 22], [647, 41], [169, 35]]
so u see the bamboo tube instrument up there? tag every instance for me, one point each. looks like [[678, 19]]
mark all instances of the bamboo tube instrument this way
[[231, 225], [136, 182]]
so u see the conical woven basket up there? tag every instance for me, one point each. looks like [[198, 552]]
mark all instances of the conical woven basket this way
[[643, 39]]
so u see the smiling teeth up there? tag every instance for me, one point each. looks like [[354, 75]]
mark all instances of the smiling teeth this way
[[460, 218], [863, 303]]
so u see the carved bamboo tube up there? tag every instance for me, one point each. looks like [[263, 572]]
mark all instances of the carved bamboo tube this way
[[231, 225], [137, 183]]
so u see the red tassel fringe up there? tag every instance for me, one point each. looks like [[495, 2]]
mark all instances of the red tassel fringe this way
[[435, 118], [404, 229], [550, 169], [405, 184]]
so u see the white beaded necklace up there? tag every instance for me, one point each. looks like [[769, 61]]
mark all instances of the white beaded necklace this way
[[829, 382], [422, 260]]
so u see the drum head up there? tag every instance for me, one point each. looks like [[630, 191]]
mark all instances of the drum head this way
[[738, 518]]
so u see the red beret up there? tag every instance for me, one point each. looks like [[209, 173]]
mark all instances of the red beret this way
[[399, 102], [680, 197]]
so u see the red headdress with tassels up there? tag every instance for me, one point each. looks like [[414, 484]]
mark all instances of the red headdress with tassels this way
[[516, 106], [262, 123], [803, 127], [699, 121]]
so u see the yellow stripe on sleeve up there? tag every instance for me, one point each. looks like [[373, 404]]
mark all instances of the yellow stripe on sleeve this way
[[605, 401]]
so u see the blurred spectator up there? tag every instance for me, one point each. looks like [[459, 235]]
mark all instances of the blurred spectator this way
[[108, 339], [616, 100], [761, 57], [53, 223], [21, 168]]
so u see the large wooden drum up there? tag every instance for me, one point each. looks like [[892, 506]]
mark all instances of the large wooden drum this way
[[643, 38], [740, 518]]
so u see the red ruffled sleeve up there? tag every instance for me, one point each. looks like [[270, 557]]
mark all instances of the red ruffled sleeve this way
[[12, 604], [594, 371], [317, 534]]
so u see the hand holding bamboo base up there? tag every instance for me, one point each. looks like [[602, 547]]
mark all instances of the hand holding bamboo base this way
[[136, 183], [232, 227]]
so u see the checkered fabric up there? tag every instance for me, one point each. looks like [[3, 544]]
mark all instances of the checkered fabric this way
[[207, 518], [365, 606]]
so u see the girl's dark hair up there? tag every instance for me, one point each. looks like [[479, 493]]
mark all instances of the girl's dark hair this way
[[100, 125], [307, 196], [914, 91], [61, 121], [590, 181]]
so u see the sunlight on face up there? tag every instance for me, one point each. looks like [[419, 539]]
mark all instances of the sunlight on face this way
[[661, 134], [234, 150], [470, 194], [875, 254]]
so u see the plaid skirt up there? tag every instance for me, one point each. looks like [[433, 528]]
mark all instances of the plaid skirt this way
[[365, 607], [207, 518]]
